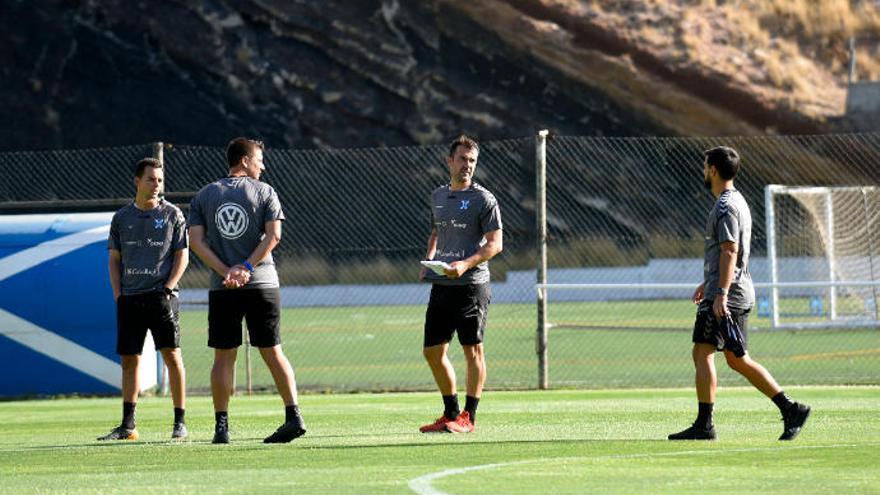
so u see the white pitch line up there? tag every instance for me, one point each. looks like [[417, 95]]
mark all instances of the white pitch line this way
[[422, 485]]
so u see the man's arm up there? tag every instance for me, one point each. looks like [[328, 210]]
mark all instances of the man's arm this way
[[271, 238], [487, 251], [114, 266], [432, 250], [726, 267], [181, 261]]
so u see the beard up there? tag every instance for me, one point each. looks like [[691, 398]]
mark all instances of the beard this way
[[707, 182]]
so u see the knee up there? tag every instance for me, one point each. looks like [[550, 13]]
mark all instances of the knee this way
[[173, 359], [474, 353], [130, 362], [432, 354], [737, 364]]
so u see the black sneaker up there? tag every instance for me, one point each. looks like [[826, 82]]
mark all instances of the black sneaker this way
[[121, 433], [221, 433], [179, 431], [286, 432], [694, 433], [794, 419]]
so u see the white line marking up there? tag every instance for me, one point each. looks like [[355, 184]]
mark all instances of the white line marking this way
[[422, 484], [59, 348], [31, 257]]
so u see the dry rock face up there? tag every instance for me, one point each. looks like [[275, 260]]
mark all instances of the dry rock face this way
[[339, 73]]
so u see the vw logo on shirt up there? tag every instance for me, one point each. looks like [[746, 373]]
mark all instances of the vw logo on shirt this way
[[231, 220]]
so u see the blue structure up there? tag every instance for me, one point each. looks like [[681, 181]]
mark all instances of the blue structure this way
[[57, 316]]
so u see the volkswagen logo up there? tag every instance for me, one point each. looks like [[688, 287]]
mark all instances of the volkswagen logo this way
[[231, 220]]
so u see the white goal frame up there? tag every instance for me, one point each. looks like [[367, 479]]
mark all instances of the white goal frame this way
[[831, 283]]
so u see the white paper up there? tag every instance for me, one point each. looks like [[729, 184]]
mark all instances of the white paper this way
[[436, 266]]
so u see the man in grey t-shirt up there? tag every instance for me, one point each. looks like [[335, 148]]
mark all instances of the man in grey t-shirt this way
[[148, 255], [466, 234], [725, 298], [234, 225]]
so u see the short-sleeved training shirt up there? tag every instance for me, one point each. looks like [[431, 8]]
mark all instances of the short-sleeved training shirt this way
[[234, 212], [729, 220], [462, 219], [147, 241]]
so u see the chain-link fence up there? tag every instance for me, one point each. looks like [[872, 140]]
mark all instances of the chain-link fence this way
[[628, 211]]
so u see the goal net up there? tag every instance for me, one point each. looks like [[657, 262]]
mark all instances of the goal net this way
[[822, 250]]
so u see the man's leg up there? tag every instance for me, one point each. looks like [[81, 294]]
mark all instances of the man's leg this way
[[282, 373], [794, 414], [130, 386], [476, 377], [285, 382], [441, 367], [222, 377], [177, 381], [222, 383], [706, 382]]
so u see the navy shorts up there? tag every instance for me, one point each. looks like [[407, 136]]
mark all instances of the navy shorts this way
[[260, 308], [461, 308], [136, 313], [708, 331]]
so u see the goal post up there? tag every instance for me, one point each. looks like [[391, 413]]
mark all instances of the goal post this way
[[822, 257]]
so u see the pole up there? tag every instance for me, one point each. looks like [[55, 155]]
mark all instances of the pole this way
[[770, 214], [541, 224]]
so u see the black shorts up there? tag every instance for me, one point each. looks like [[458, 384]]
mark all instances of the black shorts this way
[[138, 312], [707, 330], [457, 307], [261, 309]]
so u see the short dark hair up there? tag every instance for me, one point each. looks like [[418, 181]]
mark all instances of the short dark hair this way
[[143, 164], [463, 140], [239, 148], [725, 159]]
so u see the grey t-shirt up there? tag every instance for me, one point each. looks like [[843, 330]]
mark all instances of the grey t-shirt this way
[[147, 241], [462, 218], [234, 212], [729, 220]]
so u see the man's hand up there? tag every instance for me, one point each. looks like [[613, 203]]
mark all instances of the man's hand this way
[[719, 307], [236, 277], [422, 273], [456, 269], [697, 298]]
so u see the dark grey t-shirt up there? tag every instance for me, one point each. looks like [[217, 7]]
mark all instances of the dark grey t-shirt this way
[[462, 218], [234, 212], [147, 241], [729, 220]]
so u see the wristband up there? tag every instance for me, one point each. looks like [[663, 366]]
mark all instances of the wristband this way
[[247, 264], [722, 291], [168, 291]]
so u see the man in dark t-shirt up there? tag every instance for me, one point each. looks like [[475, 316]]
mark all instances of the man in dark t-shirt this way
[[148, 255], [466, 234], [234, 225], [724, 301]]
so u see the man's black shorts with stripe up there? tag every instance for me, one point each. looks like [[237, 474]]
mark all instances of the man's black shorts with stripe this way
[[708, 331], [260, 308], [136, 313], [461, 308]]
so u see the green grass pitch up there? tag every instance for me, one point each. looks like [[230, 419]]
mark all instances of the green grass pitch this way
[[557, 442], [639, 344]]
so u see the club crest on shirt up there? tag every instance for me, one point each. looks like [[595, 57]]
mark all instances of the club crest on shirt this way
[[465, 203], [159, 223]]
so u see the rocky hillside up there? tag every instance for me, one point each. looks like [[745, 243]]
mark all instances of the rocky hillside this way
[[315, 73]]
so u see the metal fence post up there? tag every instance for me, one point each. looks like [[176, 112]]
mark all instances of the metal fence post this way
[[541, 219]]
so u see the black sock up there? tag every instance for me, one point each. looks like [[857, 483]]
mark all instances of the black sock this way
[[291, 414], [179, 413], [704, 415], [470, 405], [221, 418], [782, 401], [128, 414], [450, 405]]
